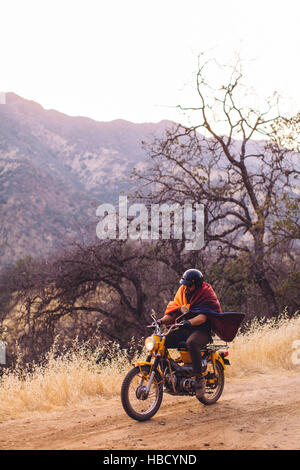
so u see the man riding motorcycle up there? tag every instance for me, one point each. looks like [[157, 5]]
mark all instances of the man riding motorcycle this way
[[143, 386], [201, 300]]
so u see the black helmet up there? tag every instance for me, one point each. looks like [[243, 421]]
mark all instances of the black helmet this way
[[192, 277]]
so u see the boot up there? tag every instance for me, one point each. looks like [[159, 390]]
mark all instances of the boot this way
[[200, 386]]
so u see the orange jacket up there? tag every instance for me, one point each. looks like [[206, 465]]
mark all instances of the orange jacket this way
[[204, 296]]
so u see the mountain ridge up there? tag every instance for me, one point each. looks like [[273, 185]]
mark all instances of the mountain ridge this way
[[56, 169]]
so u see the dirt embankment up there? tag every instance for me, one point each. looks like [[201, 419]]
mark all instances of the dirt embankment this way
[[257, 412]]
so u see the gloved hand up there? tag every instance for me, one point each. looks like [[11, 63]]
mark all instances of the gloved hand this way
[[185, 323]]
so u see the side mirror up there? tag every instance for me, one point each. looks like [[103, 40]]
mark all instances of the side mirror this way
[[154, 313]]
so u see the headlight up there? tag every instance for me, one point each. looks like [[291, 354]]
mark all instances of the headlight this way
[[149, 343]]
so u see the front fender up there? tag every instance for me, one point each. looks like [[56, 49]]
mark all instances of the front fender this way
[[150, 364]]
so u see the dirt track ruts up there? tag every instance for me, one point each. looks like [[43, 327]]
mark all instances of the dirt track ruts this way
[[255, 412]]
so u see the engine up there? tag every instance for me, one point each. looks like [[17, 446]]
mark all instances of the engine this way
[[186, 385], [181, 384], [170, 382]]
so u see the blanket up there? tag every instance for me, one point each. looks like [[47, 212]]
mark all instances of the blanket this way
[[204, 300]]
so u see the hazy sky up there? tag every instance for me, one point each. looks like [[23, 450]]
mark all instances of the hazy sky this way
[[136, 59]]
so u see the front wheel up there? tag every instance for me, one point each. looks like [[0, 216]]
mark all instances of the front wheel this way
[[135, 402], [214, 385]]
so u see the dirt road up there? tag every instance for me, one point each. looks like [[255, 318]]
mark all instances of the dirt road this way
[[258, 412]]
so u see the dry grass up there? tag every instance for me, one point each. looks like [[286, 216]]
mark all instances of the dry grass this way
[[74, 377], [266, 347], [64, 380]]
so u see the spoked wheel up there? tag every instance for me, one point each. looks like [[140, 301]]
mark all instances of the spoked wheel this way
[[137, 404], [214, 384]]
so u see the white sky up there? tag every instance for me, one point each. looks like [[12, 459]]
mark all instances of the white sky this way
[[134, 59]]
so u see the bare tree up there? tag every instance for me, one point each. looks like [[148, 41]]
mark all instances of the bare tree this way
[[239, 180], [104, 288]]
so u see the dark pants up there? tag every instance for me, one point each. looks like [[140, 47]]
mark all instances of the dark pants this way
[[195, 339]]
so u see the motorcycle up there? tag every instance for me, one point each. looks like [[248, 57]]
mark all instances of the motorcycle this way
[[143, 387]]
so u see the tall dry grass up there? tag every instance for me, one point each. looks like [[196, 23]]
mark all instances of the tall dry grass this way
[[74, 377], [265, 347], [62, 380]]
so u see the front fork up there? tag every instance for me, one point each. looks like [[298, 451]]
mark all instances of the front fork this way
[[152, 374]]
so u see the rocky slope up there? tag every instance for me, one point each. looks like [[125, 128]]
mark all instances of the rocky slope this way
[[56, 169]]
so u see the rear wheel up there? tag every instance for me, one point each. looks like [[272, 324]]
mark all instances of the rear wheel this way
[[214, 384], [135, 402]]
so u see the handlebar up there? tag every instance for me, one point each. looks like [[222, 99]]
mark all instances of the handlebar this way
[[175, 326], [158, 326]]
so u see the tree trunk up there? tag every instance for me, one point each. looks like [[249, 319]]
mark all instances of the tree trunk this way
[[267, 291], [260, 276]]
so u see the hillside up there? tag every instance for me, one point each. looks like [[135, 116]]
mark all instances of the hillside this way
[[56, 169]]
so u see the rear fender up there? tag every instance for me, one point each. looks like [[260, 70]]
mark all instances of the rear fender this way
[[217, 357]]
